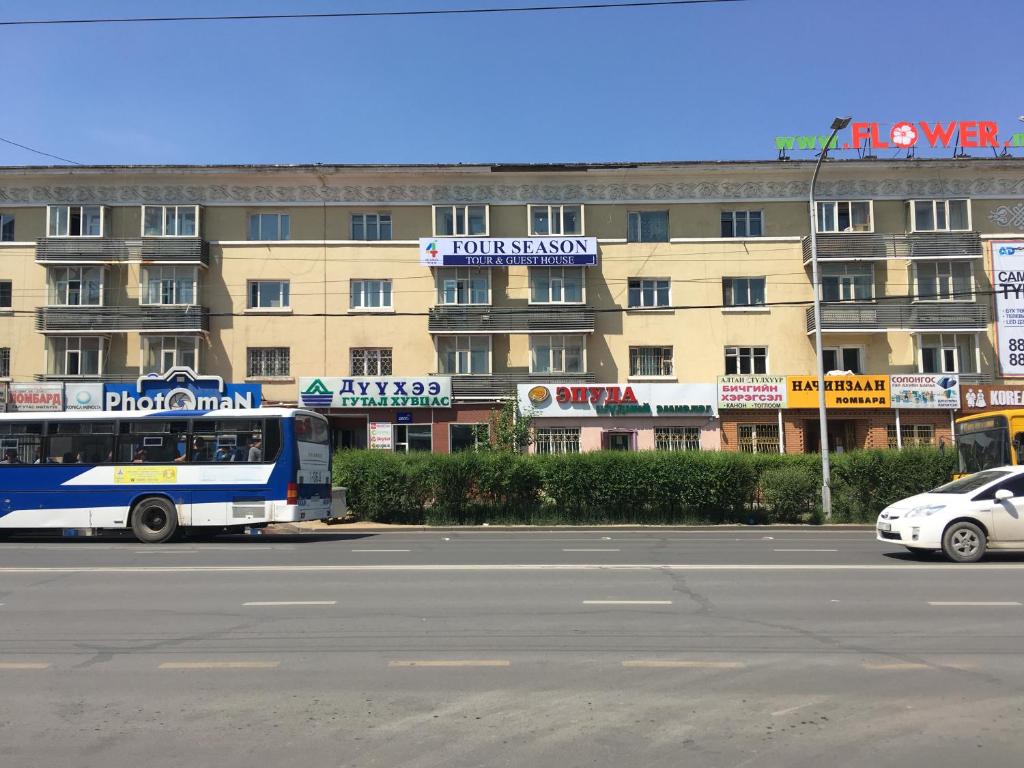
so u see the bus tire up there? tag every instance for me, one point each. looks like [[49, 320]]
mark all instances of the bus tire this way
[[154, 520]]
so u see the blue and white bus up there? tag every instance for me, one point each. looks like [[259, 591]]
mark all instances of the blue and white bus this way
[[161, 473]]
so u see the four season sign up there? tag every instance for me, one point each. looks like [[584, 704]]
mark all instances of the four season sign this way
[[840, 391], [375, 392], [508, 251], [1008, 279]]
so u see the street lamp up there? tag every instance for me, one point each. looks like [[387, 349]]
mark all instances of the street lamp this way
[[826, 473]]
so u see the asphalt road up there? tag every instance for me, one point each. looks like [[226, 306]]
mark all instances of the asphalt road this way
[[604, 647]]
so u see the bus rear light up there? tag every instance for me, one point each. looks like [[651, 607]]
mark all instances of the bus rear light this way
[[293, 494]]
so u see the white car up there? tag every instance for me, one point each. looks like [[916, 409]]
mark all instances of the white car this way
[[962, 518]]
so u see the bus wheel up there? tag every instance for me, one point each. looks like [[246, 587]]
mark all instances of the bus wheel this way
[[154, 521]]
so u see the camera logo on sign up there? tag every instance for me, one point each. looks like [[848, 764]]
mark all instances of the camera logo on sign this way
[[539, 395]]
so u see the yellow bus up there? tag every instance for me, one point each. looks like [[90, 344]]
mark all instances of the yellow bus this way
[[990, 439]]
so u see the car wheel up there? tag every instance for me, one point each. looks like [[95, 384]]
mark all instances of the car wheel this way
[[964, 542], [154, 520]]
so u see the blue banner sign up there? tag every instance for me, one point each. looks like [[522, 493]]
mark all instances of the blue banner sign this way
[[181, 389]]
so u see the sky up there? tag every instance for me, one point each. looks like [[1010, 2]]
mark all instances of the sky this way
[[702, 82]]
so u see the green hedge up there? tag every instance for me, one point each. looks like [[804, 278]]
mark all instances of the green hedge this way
[[641, 488]]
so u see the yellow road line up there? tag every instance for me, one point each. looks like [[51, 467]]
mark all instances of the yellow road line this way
[[24, 665]]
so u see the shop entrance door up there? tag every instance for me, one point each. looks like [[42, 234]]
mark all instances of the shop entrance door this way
[[618, 441], [349, 432], [842, 435]]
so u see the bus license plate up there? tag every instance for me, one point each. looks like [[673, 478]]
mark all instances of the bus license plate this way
[[885, 526]]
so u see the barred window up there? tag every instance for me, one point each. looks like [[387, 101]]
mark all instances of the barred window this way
[[677, 438], [650, 361], [759, 438], [557, 440], [368, 361], [5, 362], [268, 362], [912, 435]]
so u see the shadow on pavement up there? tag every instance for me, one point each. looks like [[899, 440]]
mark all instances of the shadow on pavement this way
[[938, 557]]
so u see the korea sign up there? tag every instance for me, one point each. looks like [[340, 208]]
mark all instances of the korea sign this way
[[375, 392], [752, 392], [508, 251], [1008, 283], [925, 390]]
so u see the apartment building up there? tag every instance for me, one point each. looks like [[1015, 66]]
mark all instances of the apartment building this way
[[300, 277]]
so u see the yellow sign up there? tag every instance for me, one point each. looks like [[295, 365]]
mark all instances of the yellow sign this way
[[145, 475], [840, 391]]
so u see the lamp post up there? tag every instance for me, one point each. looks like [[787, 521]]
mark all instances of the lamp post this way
[[826, 473]]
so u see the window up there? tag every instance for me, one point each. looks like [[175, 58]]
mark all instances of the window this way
[[367, 361], [556, 439], [948, 353], [408, 438], [847, 282], [463, 285], [467, 437], [269, 294], [230, 440], [741, 223], [21, 442], [5, 294], [556, 354], [370, 295], [161, 353], [842, 359], [5, 362], [75, 356], [459, 220], [844, 216], [743, 291], [677, 438], [75, 220], [647, 227], [371, 226], [460, 355], [746, 360], [940, 215], [268, 362], [556, 219], [650, 361], [759, 438], [648, 292], [75, 286], [76, 442], [944, 281], [556, 285], [911, 435], [152, 441], [6, 227], [168, 285], [170, 220], [269, 226]]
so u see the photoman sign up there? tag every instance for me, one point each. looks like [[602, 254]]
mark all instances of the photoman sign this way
[[508, 251], [181, 389]]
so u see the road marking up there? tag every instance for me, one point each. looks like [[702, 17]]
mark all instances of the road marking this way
[[978, 604], [627, 602], [220, 665], [591, 550], [452, 663], [806, 550], [23, 665], [894, 666], [381, 550], [790, 710], [673, 664], [293, 602], [162, 551]]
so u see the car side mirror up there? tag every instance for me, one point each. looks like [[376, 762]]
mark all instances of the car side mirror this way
[[1003, 495]]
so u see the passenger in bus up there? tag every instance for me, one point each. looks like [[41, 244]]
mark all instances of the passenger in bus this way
[[223, 453], [11, 456], [255, 450], [140, 456], [69, 458], [39, 456]]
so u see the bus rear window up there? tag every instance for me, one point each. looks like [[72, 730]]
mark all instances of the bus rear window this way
[[310, 429]]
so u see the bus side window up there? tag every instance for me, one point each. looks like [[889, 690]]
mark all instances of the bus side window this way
[[21, 442], [152, 441], [271, 440], [81, 442]]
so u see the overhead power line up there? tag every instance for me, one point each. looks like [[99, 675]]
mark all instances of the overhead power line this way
[[368, 14], [39, 151]]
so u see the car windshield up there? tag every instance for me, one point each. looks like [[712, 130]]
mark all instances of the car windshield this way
[[971, 482]]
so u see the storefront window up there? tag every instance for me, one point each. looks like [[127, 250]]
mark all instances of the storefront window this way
[[911, 435], [759, 438], [677, 438], [412, 437], [556, 440], [467, 437]]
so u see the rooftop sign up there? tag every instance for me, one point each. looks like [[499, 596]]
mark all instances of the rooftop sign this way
[[908, 134]]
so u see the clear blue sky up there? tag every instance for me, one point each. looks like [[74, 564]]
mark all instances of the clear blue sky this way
[[697, 82]]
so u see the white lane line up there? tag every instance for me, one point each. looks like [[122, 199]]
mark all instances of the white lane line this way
[[381, 550], [451, 663], [591, 550], [12, 665], [674, 664], [806, 550], [220, 665], [162, 551], [293, 602], [975, 604], [627, 602], [894, 666], [790, 710]]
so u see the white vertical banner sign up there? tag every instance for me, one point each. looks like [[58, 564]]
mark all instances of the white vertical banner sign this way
[[1008, 284]]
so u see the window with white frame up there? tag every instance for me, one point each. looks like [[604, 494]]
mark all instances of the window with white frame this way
[[75, 355], [944, 280], [647, 226], [847, 282], [743, 291], [947, 353], [5, 362], [371, 226], [370, 295], [75, 286], [6, 227], [677, 438], [650, 361], [464, 355], [169, 285], [556, 219], [557, 354], [460, 220], [75, 220], [758, 438], [6, 294], [170, 220], [911, 435], [268, 362], [161, 353], [556, 439], [940, 215], [410, 438], [371, 361], [269, 294], [269, 226], [648, 292], [463, 285], [746, 360], [843, 359], [741, 224], [556, 285], [845, 216]]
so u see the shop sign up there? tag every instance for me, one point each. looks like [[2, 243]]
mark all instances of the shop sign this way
[[181, 389], [752, 392], [508, 251], [906, 134], [925, 390], [380, 435], [984, 397], [83, 397], [571, 400], [403, 417], [840, 391], [36, 397], [375, 392], [1008, 284]]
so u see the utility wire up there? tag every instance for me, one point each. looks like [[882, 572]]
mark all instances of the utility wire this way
[[38, 151]]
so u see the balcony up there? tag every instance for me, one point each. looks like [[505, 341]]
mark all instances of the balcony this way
[[88, 320], [504, 384], [108, 250], [901, 316], [534, 319], [854, 246]]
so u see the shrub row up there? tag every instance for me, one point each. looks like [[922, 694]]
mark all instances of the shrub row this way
[[640, 488]]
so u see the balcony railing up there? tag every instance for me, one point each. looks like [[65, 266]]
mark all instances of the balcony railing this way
[[504, 384], [448, 319], [903, 315], [875, 245], [109, 250], [122, 319]]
